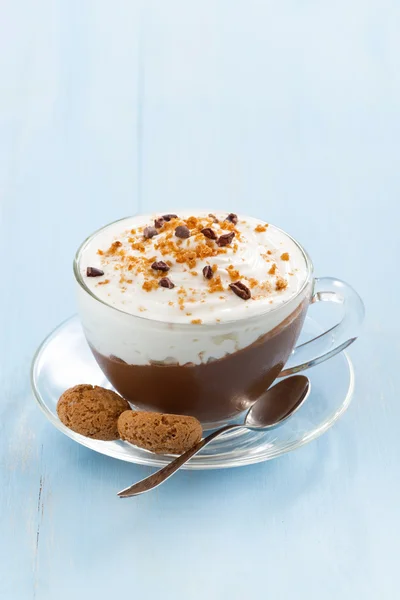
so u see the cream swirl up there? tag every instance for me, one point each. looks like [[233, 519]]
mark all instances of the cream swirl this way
[[265, 260]]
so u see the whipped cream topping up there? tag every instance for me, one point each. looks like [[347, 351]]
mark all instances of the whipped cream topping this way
[[191, 269]]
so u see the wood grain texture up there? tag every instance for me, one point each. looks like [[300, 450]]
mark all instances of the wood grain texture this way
[[285, 110]]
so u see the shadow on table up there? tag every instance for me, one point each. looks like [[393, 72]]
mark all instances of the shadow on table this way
[[216, 505]]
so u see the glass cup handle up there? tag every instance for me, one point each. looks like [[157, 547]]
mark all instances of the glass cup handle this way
[[329, 343]]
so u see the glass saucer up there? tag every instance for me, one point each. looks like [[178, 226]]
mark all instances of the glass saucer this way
[[64, 360]]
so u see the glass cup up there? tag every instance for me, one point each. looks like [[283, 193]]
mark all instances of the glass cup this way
[[212, 371]]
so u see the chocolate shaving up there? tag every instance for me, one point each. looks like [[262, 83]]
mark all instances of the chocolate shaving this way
[[149, 232], [160, 266], [240, 290], [208, 272], [213, 217], [166, 282], [159, 222], [182, 232], [169, 217], [209, 233], [93, 272], [232, 218], [225, 239]]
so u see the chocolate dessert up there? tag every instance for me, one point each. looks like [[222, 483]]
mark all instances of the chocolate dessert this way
[[192, 315], [214, 391]]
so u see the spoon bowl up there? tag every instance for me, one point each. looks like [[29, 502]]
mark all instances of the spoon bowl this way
[[278, 403]]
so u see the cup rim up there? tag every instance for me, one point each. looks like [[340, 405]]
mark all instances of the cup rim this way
[[85, 288]]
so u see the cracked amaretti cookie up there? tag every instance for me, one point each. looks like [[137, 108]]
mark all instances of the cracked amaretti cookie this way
[[159, 433], [92, 411]]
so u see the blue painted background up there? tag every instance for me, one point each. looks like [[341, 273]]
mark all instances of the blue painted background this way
[[286, 110]]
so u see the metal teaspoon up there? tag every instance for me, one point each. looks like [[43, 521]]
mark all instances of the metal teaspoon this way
[[271, 410]]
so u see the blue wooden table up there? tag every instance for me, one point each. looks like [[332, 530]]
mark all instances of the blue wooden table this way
[[285, 110]]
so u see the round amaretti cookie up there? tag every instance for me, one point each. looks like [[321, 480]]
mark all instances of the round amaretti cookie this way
[[92, 411], [160, 433]]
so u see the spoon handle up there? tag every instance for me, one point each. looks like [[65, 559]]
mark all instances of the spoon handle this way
[[165, 473]]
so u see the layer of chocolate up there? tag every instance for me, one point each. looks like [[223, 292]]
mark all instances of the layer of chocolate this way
[[211, 392]]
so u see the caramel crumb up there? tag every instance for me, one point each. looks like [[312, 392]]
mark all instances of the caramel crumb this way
[[186, 256], [181, 303], [266, 286], [150, 285], [233, 273], [122, 280], [138, 246], [100, 252], [215, 285], [281, 284], [196, 321], [142, 309], [285, 256], [260, 228], [191, 222], [104, 282], [253, 282], [114, 248], [229, 226], [272, 269]]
